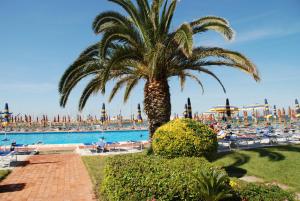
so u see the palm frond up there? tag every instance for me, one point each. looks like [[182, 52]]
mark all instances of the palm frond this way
[[237, 58], [221, 28], [182, 79], [209, 19], [130, 85], [109, 19], [204, 70], [241, 67], [184, 38], [155, 12], [167, 18], [195, 78], [71, 84], [119, 55], [77, 69], [120, 83], [144, 8], [128, 35], [130, 8], [92, 87]]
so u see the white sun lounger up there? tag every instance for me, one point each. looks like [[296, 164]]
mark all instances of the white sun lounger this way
[[5, 160]]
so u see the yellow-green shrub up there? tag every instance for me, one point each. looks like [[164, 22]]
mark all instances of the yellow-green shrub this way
[[184, 137]]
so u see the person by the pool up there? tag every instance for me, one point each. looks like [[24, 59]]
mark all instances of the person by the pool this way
[[101, 144], [13, 145]]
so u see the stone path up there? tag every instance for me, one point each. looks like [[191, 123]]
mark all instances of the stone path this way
[[55, 177]]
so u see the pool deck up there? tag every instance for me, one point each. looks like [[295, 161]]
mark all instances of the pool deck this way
[[55, 177]]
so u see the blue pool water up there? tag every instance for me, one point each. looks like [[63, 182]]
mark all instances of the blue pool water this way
[[74, 138]]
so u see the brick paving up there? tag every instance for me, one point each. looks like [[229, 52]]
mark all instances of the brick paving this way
[[54, 177]]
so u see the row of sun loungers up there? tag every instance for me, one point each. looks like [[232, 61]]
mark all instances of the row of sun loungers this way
[[113, 146], [254, 142], [7, 156]]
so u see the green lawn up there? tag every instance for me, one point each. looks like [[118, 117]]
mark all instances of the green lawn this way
[[95, 167], [3, 174], [280, 164]]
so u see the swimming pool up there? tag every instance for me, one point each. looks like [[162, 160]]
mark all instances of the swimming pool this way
[[74, 137]]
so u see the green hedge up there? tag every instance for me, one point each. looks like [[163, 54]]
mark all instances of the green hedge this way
[[259, 192], [140, 177], [184, 137]]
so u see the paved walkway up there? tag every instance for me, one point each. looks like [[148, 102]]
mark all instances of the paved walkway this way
[[52, 177]]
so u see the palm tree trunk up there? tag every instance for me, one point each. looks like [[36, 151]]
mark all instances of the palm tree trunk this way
[[157, 103]]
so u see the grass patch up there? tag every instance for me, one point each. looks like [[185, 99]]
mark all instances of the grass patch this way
[[95, 167], [4, 173], [280, 164]]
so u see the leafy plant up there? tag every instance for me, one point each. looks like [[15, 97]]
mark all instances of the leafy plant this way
[[184, 137], [213, 185]]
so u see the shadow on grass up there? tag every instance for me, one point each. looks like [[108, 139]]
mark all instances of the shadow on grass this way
[[288, 148], [272, 155], [234, 169]]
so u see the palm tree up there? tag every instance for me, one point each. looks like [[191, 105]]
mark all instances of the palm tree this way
[[142, 46]]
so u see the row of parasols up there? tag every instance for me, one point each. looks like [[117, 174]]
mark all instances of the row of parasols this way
[[6, 118], [227, 111]]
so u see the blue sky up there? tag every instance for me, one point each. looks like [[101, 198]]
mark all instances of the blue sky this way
[[39, 39]]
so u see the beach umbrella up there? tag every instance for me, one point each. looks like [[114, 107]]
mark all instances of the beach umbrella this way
[[275, 112], [139, 116], [44, 120], [5, 120], [267, 109], [58, 120], [228, 111], [297, 108], [279, 114], [103, 114], [253, 115], [283, 113], [293, 114], [185, 113], [189, 109], [245, 114], [290, 112]]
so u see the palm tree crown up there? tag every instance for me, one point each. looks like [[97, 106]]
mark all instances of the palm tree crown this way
[[141, 46]]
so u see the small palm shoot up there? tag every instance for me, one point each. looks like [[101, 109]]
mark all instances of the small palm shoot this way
[[213, 185]]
